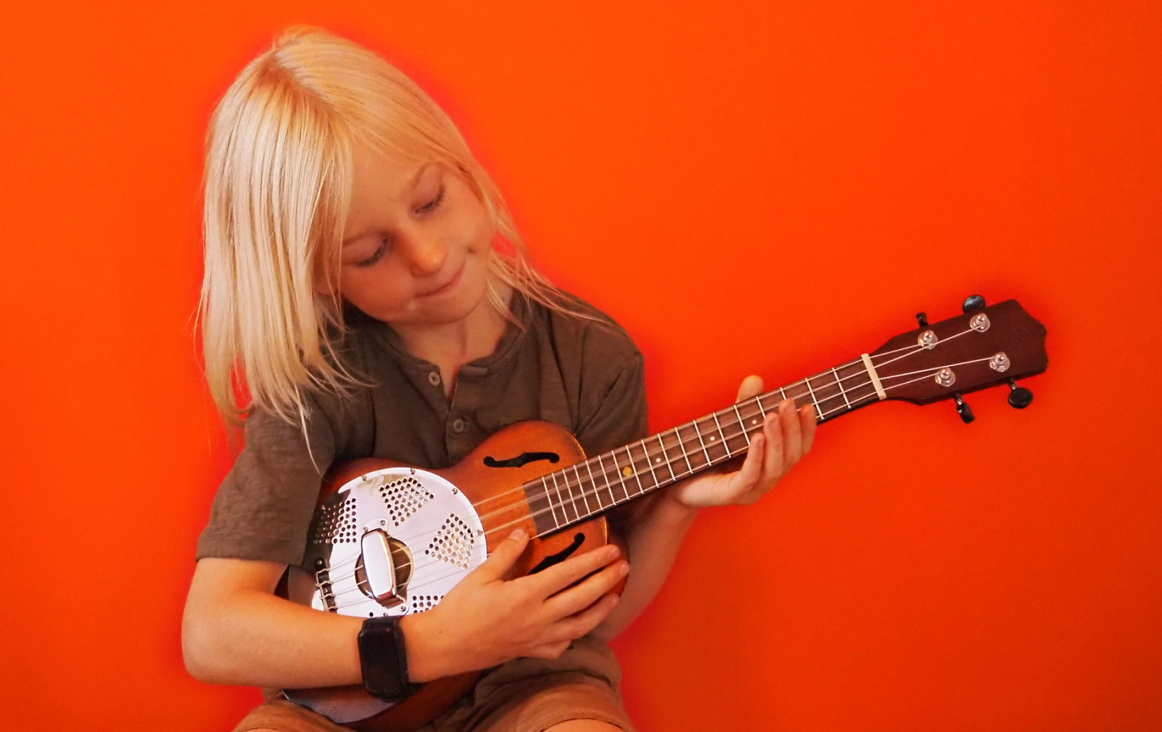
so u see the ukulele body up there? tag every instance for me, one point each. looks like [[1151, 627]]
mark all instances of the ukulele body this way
[[390, 539]]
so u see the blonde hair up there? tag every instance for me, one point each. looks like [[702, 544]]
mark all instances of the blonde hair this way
[[278, 185]]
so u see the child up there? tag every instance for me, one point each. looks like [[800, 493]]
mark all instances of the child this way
[[367, 291]]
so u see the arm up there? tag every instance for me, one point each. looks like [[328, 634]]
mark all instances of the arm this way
[[236, 631]]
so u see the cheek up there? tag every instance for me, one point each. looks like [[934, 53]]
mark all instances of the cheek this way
[[372, 289]]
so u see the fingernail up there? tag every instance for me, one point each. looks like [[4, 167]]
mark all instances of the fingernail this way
[[612, 551], [517, 535], [623, 570]]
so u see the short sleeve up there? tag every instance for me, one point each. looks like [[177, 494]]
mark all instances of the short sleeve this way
[[263, 508], [616, 415]]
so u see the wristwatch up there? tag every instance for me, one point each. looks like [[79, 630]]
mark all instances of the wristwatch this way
[[383, 658]]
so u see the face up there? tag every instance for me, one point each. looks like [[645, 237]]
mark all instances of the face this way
[[415, 242]]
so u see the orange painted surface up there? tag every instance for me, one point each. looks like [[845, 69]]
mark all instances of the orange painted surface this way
[[753, 189]]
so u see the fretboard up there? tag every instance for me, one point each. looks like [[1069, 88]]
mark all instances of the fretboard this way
[[595, 485]]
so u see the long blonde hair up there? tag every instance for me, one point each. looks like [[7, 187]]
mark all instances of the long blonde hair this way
[[278, 185]]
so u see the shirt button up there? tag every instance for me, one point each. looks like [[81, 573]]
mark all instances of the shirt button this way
[[458, 426], [434, 378]]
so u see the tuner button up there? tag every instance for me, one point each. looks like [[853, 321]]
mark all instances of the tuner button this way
[[974, 302], [1019, 397], [963, 409], [923, 318]]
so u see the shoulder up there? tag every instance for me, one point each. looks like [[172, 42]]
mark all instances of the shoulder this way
[[580, 331]]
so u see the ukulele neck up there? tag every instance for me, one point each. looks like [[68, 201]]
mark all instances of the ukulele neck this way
[[593, 486]]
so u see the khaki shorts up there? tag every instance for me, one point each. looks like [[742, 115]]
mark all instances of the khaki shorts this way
[[525, 695]]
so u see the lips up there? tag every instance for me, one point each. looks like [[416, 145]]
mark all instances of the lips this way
[[447, 286]]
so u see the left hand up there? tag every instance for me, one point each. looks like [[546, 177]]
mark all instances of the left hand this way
[[786, 437]]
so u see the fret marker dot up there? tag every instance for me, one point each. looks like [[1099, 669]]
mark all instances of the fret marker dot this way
[[712, 438], [627, 471]]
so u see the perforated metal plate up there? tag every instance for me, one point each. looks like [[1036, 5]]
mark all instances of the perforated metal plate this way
[[436, 525]]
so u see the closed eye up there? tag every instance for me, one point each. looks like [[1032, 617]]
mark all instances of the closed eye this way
[[376, 255], [433, 204]]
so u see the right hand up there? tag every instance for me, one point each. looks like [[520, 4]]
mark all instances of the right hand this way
[[487, 619]]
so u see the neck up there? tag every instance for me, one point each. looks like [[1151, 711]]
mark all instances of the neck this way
[[451, 345]]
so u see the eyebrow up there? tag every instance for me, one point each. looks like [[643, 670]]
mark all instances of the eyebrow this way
[[415, 181]]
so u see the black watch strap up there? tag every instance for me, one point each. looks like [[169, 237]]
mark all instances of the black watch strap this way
[[383, 658]]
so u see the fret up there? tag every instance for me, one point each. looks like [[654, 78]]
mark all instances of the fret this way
[[581, 485], [759, 401], [572, 498], [564, 512], [698, 432], [552, 509], [741, 423], [618, 474], [721, 434], [783, 393], [666, 458], [593, 482], [684, 455], [842, 391], [812, 393], [608, 485], [633, 471], [638, 471], [652, 463]]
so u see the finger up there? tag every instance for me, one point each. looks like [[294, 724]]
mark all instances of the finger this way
[[776, 449], [580, 596], [752, 465], [556, 578], [807, 424], [751, 386], [792, 436], [502, 558], [583, 622]]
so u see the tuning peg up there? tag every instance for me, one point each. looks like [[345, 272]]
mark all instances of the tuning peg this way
[[1019, 397], [923, 318], [973, 302], [963, 409]]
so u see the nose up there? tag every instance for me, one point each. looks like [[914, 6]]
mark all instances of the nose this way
[[426, 254]]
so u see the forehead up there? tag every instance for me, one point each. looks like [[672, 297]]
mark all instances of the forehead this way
[[379, 173]]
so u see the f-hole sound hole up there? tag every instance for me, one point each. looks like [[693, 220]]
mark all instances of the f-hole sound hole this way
[[578, 540], [521, 460]]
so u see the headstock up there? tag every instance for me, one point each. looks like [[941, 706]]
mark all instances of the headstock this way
[[986, 346]]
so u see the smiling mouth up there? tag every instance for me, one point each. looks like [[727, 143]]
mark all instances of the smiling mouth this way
[[446, 286]]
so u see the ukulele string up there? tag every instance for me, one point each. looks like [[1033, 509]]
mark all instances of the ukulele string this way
[[810, 392], [676, 477], [693, 443]]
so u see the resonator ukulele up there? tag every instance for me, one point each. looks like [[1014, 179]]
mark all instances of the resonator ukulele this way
[[391, 539]]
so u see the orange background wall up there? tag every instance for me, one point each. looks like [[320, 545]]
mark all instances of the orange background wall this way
[[767, 187]]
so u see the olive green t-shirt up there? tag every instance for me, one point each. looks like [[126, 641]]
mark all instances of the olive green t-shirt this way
[[582, 374]]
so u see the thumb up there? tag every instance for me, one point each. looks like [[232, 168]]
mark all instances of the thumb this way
[[751, 386], [503, 557]]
